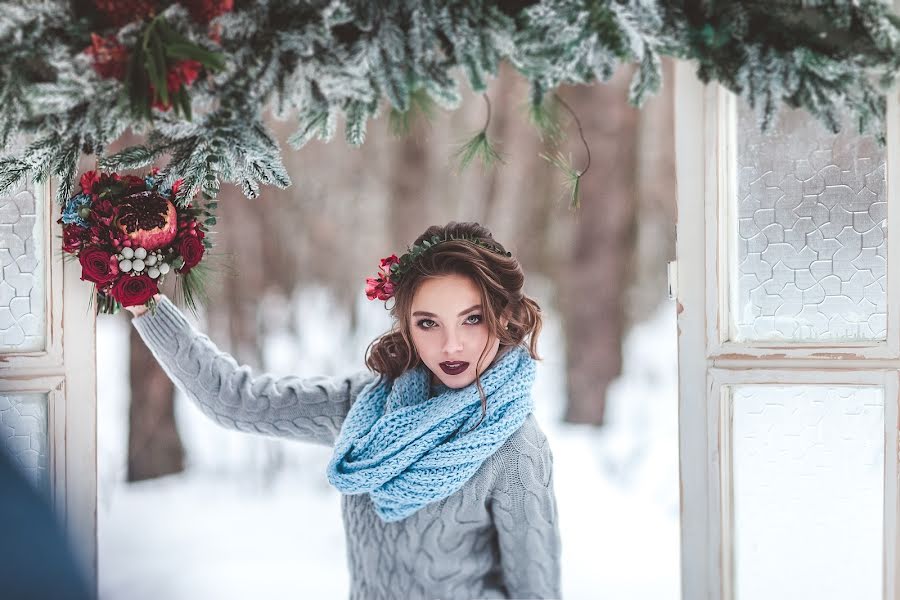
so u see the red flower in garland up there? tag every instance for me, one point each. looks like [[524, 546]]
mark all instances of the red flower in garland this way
[[120, 12], [382, 287], [181, 74], [110, 58], [205, 11]]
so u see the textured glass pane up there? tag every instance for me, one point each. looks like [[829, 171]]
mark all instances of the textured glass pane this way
[[811, 233], [807, 469], [24, 435], [22, 282]]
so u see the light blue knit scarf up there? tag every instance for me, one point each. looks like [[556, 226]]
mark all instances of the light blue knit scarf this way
[[407, 450]]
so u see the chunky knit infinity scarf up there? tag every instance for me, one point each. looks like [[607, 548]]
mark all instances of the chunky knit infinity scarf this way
[[407, 450]]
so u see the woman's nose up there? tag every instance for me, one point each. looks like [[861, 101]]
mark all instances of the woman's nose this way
[[452, 344]]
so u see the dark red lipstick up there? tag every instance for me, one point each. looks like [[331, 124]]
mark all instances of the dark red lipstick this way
[[454, 367]]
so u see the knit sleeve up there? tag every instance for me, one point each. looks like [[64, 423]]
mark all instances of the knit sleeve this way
[[310, 409], [524, 510]]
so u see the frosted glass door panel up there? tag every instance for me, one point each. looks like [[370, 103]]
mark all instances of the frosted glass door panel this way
[[23, 323], [810, 253], [808, 491], [24, 435]]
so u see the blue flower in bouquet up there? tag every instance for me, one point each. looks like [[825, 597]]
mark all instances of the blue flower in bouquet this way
[[73, 206]]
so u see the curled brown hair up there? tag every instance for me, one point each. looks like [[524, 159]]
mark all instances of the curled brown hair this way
[[499, 279]]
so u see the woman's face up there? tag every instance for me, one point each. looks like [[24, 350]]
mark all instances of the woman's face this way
[[449, 330]]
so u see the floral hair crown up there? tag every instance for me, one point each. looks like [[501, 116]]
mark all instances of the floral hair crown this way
[[392, 269]]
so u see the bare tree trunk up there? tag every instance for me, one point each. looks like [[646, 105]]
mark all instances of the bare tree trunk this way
[[408, 185], [154, 447], [655, 201], [594, 291]]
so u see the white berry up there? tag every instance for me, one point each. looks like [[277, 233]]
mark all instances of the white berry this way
[[125, 265], [140, 253], [150, 260], [153, 272], [164, 268], [127, 252], [138, 265]]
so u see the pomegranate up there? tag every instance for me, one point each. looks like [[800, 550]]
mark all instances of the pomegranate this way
[[148, 219]]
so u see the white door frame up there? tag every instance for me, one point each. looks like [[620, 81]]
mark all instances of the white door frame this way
[[66, 371], [708, 361]]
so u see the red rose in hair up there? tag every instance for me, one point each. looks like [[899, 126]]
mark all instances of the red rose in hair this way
[[387, 262], [133, 291], [72, 238], [97, 265], [379, 288], [191, 250]]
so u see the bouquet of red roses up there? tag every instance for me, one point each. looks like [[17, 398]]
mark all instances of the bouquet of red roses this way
[[128, 235]]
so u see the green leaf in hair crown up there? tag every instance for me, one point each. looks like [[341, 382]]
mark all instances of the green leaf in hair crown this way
[[392, 269]]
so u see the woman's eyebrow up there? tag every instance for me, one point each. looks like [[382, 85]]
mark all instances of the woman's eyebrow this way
[[428, 314]]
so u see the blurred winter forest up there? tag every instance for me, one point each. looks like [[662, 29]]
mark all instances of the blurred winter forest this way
[[348, 207], [598, 272]]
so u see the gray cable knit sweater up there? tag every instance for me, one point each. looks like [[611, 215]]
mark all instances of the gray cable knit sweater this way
[[496, 537]]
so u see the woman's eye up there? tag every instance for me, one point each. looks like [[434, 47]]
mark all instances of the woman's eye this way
[[420, 323], [477, 317]]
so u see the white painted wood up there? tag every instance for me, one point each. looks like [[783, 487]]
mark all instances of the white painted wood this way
[[80, 412], [66, 371], [699, 552], [705, 136]]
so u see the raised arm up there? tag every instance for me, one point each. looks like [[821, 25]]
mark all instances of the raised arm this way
[[523, 505], [310, 408]]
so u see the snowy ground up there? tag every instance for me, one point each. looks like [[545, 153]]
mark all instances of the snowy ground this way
[[256, 517]]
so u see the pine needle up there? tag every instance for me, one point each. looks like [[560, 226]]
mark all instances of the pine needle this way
[[192, 290], [547, 119], [572, 178], [482, 148]]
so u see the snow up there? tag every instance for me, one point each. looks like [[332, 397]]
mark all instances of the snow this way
[[255, 517]]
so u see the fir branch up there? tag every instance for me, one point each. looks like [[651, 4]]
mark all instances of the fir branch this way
[[421, 103]]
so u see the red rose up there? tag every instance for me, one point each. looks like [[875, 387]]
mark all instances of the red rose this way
[[72, 238], [191, 250], [133, 291], [98, 266]]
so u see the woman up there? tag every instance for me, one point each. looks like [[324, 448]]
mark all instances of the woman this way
[[446, 477]]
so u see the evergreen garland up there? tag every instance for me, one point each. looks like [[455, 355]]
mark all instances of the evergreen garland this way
[[321, 60]]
